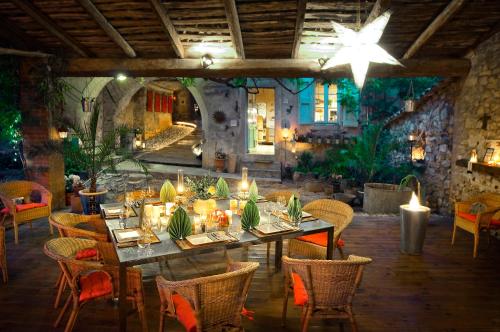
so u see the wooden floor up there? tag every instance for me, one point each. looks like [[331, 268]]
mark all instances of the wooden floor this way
[[442, 290]]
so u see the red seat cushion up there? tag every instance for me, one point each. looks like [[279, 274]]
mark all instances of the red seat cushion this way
[[28, 206], [86, 253], [5, 210], [184, 312], [299, 290], [495, 223], [467, 216], [320, 239], [94, 285]]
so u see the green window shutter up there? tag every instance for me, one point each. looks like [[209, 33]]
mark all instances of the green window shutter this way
[[306, 103]]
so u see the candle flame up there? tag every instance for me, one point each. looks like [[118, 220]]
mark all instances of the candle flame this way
[[414, 202]]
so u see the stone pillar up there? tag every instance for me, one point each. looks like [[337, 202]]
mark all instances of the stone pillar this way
[[38, 130]]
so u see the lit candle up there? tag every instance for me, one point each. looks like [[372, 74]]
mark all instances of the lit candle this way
[[229, 215], [242, 205], [197, 224], [168, 208], [143, 145], [233, 205], [414, 219], [148, 210], [180, 181], [244, 178]]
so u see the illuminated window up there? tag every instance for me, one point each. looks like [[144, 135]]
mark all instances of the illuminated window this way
[[325, 103]]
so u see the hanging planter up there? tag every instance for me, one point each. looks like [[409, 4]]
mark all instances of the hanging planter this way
[[410, 99], [87, 104]]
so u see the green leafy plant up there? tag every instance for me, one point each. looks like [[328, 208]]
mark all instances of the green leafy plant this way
[[305, 162], [251, 216], [167, 192], [180, 224], [199, 186], [222, 189], [187, 81], [94, 155]]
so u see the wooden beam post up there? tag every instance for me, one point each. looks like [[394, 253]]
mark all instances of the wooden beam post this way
[[38, 129], [169, 28], [299, 26], [51, 26], [259, 68], [107, 27], [12, 51], [379, 7], [435, 25], [234, 27]]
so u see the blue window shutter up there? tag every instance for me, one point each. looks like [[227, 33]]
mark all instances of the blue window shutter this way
[[306, 103]]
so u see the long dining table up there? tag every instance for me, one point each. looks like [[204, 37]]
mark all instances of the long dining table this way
[[168, 249]]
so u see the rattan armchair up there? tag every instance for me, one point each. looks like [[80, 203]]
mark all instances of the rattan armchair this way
[[3, 255], [273, 197], [214, 302], [62, 250], [474, 223], [323, 288], [14, 189], [335, 212], [66, 224]]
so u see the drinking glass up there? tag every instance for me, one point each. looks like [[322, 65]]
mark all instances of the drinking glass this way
[[268, 209], [124, 214]]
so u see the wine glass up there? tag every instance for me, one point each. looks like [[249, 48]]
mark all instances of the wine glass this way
[[268, 209], [124, 214]]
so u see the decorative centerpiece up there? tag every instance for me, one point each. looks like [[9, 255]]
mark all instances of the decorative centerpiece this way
[[180, 225], [202, 189], [167, 192], [222, 189], [294, 210], [253, 192], [250, 217]]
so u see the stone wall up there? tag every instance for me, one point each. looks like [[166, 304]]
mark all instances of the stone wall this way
[[480, 96], [433, 122]]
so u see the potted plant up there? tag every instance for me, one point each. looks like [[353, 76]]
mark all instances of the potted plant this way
[[220, 160], [203, 189], [95, 156]]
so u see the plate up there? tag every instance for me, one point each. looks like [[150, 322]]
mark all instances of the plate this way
[[127, 235], [275, 228], [207, 238]]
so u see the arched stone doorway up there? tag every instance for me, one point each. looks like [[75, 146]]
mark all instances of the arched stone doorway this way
[[117, 100]]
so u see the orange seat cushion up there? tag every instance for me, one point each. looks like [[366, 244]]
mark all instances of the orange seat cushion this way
[[86, 253], [467, 216], [28, 206], [320, 239], [184, 312], [94, 285], [299, 290]]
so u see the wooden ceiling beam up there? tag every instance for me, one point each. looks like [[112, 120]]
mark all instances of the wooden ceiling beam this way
[[485, 36], [379, 7], [51, 26], [234, 27], [259, 68], [107, 27], [169, 27], [435, 25], [299, 27], [12, 51]]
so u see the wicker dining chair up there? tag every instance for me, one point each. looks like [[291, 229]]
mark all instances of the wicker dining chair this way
[[3, 255], [476, 222], [92, 280], [25, 213], [93, 226], [273, 197], [208, 303], [323, 288], [313, 246]]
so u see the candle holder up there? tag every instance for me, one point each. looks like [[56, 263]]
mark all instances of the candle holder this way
[[414, 220], [180, 182]]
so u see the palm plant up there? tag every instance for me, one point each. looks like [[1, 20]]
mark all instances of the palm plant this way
[[93, 155]]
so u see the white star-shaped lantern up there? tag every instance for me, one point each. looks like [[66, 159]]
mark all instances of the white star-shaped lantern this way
[[360, 48]]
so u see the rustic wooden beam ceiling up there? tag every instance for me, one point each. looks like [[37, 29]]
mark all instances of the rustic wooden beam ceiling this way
[[379, 7], [17, 37], [258, 68], [51, 26], [234, 27], [299, 26], [169, 28], [435, 25], [107, 27], [493, 30]]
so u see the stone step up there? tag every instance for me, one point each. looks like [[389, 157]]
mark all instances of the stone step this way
[[264, 173]]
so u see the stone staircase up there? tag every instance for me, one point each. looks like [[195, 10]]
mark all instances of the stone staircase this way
[[266, 167]]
